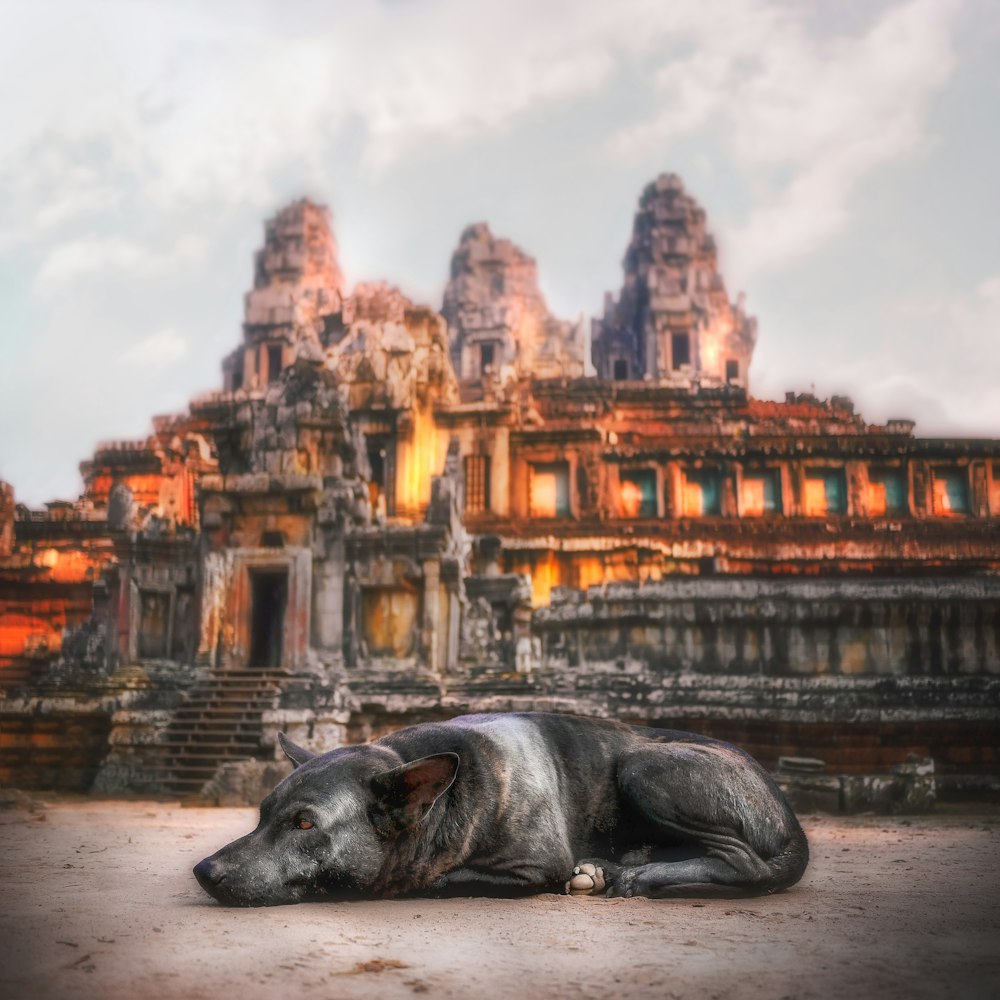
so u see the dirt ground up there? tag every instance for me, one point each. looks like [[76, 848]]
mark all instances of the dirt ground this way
[[99, 901]]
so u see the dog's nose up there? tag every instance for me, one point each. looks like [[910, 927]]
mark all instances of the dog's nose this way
[[208, 873]]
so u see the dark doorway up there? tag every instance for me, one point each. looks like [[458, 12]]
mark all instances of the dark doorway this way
[[273, 362], [381, 464], [485, 357], [620, 370], [681, 348], [269, 600]]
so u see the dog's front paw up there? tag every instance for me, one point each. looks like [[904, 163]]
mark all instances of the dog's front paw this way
[[587, 880]]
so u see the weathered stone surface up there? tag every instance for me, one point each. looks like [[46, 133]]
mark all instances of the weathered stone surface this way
[[243, 783], [391, 515], [673, 319], [499, 324]]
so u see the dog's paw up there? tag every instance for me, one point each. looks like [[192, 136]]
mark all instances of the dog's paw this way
[[587, 880], [623, 884]]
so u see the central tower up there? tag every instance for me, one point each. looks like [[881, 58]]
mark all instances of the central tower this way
[[673, 321]]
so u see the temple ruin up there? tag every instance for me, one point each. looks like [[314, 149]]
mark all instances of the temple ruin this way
[[391, 513]]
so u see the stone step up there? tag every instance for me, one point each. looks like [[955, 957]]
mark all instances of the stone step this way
[[176, 751], [202, 727], [233, 712], [212, 736], [230, 702], [220, 721]]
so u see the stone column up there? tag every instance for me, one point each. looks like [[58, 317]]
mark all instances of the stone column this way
[[328, 621], [432, 611]]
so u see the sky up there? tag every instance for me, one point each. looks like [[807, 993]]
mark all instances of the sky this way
[[847, 154]]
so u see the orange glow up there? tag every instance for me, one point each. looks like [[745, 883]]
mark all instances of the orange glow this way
[[23, 633], [815, 498], [876, 499], [942, 500], [693, 505], [544, 576], [752, 495], [418, 463], [630, 499], [589, 572], [543, 495]]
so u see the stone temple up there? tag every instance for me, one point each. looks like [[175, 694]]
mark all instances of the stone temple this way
[[391, 513]]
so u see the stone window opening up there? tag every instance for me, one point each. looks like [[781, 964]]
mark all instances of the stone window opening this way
[[886, 492], [379, 492], [273, 362], [680, 350], [702, 493], [268, 604], [637, 496], [486, 355], [620, 370], [825, 492], [549, 490], [951, 491], [477, 484], [732, 370], [760, 493]]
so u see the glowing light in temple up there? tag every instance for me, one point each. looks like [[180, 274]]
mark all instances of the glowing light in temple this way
[[692, 499], [876, 499], [549, 490], [753, 495], [815, 497], [544, 576], [589, 572], [760, 493], [420, 461], [631, 498]]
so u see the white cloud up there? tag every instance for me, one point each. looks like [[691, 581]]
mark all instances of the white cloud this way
[[111, 256], [163, 348], [806, 118], [937, 365]]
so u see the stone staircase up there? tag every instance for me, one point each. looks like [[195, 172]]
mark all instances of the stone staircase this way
[[220, 721]]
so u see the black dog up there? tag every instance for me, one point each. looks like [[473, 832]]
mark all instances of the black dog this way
[[507, 804]]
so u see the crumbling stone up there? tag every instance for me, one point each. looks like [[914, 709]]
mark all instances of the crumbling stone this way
[[673, 319], [499, 323], [242, 783], [391, 514]]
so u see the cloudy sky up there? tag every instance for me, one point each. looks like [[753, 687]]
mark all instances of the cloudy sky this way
[[847, 153]]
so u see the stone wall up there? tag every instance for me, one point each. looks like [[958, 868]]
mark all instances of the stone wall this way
[[788, 627]]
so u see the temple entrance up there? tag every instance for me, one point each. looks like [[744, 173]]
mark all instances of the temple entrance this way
[[269, 601]]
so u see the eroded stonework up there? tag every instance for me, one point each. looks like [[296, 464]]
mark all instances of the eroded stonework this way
[[500, 326], [673, 320], [391, 514]]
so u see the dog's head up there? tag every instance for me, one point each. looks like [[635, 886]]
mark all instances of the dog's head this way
[[329, 827]]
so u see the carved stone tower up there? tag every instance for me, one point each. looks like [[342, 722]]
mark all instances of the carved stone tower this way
[[673, 320], [498, 321]]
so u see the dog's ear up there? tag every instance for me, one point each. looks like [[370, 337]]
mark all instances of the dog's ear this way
[[404, 795], [297, 755]]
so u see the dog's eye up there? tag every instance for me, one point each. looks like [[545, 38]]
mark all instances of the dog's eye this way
[[301, 823]]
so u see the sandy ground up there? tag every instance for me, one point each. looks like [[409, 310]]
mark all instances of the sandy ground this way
[[99, 901]]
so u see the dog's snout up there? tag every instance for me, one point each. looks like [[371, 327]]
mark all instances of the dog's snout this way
[[208, 873]]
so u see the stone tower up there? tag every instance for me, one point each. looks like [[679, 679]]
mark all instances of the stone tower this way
[[297, 285], [673, 320], [497, 317]]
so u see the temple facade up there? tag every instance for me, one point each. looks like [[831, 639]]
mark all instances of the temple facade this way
[[390, 513]]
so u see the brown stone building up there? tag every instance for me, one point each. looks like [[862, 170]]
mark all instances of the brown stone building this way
[[391, 514]]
